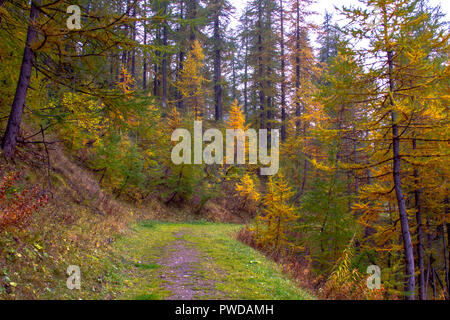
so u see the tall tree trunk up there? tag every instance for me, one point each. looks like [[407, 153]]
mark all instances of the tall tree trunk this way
[[298, 107], [246, 63], [269, 106], [261, 68], [156, 79], [283, 76], [446, 248], [9, 140], [406, 234], [218, 92], [447, 251], [164, 62], [133, 52], [192, 6], [125, 54], [179, 96], [233, 78], [446, 267], [420, 244], [144, 56]]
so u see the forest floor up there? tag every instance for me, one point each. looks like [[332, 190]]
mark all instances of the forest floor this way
[[159, 260]]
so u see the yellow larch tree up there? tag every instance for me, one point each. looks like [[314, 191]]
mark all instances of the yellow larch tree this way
[[272, 227], [237, 117], [191, 83], [248, 192]]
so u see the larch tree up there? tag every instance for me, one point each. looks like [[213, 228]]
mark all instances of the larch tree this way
[[192, 82], [11, 134], [395, 104]]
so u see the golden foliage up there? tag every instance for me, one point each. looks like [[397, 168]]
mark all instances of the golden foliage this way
[[247, 192], [192, 83], [237, 117], [272, 227]]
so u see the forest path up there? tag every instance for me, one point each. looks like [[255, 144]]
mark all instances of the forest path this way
[[196, 261], [180, 270]]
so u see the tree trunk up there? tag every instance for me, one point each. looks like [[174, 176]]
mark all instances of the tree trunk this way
[[164, 63], [179, 96], [448, 257], [15, 118], [298, 110], [407, 243], [446, 248], [218, 92], [234, 91], [246, 64], [133, 53], [144, 57], [420, 245], [260, 68], [283, 76], [446, 267], [192, 14], [156, 79]]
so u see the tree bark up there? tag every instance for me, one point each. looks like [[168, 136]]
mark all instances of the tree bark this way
[[156, 79], [246, 63], [260, 68], [144, 57], [420, 244], [446, 248], [192, 14], [283, 76], [9, 140], [133, 52], [298, 107], [406, 234], [164, 62], [179, 96], [218, 92], [446, 267]]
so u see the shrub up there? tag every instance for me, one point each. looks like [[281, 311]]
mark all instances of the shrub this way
[[16, 204]]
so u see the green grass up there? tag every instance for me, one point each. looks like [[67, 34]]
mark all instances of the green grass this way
[[236, 270], [147, 266], [147, 297]]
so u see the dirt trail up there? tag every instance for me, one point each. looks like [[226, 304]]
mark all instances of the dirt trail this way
[[182, 273]]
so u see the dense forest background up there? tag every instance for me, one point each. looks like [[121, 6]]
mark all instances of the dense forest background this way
[[363, 120]]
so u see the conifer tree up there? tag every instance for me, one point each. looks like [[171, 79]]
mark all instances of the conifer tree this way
[[192, 82], [395, 103], [278, 215]]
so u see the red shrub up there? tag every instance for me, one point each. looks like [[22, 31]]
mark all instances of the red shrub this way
[[16, 206]]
